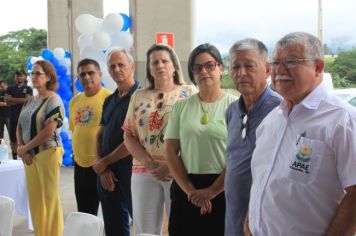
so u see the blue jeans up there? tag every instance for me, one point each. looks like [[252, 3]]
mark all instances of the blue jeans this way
[[117, 205]]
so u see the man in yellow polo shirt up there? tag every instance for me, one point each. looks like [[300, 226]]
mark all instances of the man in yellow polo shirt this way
[[85, 111]]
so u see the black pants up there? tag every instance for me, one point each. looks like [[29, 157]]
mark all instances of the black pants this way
[[185, 218], [85, 189], [117, 204], [14, 119], [4, 121]]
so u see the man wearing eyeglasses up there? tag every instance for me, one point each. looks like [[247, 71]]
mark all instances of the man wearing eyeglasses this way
[[16, 96], [249, 70], [303, 167], [85, 111], [114, 162]]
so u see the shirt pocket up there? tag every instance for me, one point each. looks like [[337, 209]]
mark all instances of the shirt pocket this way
[[304, 165]]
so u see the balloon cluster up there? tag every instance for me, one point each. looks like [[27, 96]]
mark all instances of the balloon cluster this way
[[99, 36], [61, 61]]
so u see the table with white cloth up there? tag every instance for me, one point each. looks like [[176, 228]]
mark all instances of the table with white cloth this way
[[13, 185]]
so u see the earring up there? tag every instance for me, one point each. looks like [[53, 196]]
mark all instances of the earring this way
[[174, 74]]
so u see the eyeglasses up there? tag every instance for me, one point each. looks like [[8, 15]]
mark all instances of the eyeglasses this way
[[35, 74], [289, 62], [89, 73], [208, 66], [160, 104], [244, 126]]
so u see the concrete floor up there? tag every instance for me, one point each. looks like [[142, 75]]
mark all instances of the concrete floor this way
[[68, 204], [67, 198]]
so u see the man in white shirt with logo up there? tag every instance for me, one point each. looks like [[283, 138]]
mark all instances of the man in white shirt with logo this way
[[303, 167]]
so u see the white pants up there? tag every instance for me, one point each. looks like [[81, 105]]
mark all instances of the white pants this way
[[149, 196]]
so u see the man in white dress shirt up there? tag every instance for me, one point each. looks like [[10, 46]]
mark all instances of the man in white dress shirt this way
[[303, 167]]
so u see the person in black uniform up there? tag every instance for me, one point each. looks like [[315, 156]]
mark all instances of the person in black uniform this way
[[16, 96], [4, 110]]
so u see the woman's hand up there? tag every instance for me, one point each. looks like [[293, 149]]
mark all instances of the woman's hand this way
[[27, 158], [21, 150], [200, 196], [206, 208], [161, 171]]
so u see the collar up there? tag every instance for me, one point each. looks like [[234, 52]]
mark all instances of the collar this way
[[259, 103], [136, 86], [312, 100]]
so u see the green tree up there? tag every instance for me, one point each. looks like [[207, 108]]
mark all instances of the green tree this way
[[343, 69], [16, 47]]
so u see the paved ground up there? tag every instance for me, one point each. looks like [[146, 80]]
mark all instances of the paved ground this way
[[67, 198], [68, 203]]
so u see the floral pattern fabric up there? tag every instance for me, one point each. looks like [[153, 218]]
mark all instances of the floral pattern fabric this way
[[147, 117]]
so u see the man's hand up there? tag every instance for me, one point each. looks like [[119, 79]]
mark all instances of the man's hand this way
[[247, 231], [100, 166], [108, 180]]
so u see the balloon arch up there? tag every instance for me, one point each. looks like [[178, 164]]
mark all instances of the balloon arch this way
[[98, 37]]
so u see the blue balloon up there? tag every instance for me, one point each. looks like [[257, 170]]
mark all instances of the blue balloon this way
[[54, 62], [64, 136], [78, 85], [67, 145], [47, 54], [68, 161], [61, 70], [67, 54], [127, 22], [29, 60], [29, 66], [67, 95], [67, 79]]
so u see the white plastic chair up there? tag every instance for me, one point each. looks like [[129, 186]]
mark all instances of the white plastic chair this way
[[7, 213], [78, 223], [147, 235]]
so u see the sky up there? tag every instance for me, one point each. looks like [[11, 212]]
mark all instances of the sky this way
[[222, 22]]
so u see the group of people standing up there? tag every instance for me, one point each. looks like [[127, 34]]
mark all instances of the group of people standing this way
[[278, 160]]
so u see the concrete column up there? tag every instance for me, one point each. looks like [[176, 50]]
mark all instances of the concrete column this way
[[152, 16], [61, 23]]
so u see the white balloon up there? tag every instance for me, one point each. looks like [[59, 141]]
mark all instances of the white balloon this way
[[92, 53], [122, 39], [59, 53], [87, 24], [104, 68], [84, 41], [109, 83], [113, 23], [67, 62], [101, 40], [33, 60]]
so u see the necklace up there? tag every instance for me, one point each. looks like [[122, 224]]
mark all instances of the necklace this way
[[205, 117]]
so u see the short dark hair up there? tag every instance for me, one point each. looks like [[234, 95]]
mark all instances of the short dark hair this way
[[3, 82], [203, 48], [50, 72], [178, 76], [88, 61], [20, 71]]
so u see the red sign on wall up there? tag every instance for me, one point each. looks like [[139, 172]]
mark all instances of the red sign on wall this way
[[165, 38]]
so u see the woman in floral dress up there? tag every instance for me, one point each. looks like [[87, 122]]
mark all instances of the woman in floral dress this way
[[144, 127]]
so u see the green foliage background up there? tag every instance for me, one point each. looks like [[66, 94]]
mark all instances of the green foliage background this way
[[343, 69], [16, 47]]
